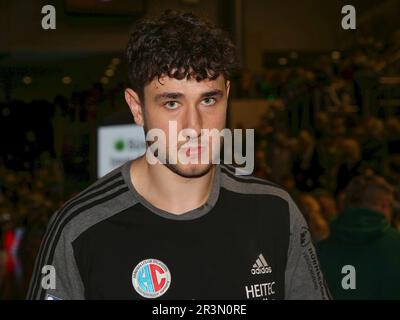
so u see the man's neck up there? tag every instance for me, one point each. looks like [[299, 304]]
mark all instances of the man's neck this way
[[167, 190]]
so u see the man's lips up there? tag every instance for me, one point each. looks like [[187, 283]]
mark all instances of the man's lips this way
[[190, 151], [193, 151]]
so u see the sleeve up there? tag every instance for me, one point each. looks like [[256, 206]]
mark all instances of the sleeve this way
[[303, 276], [56, 275]]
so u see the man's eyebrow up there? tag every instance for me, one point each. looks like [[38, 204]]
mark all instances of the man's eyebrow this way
[[212, 93], [168, 95]]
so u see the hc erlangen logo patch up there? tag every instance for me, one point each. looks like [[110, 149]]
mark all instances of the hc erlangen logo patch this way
[[151, 278]]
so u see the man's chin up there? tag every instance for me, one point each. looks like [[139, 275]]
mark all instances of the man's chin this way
[[190, 170]]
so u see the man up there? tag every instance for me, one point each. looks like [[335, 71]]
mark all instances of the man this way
[[361, 258], [179, 230]]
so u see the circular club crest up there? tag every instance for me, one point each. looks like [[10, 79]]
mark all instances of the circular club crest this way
[[151, 278]]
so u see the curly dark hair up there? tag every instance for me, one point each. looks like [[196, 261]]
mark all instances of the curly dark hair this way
[[178, 45]]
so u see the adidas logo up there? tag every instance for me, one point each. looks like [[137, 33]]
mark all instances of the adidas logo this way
[[261, 266]]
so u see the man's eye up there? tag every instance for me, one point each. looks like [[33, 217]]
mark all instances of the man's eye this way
[[209, 101], [171, 104]]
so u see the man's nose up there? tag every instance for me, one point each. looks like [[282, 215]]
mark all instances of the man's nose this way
[[193, 120]]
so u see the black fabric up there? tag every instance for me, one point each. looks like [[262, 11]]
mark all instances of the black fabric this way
[[209, 257]]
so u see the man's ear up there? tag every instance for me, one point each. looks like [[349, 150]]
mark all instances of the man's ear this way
[[133, 101]]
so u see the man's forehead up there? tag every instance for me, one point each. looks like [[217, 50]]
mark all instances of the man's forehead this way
[[191, 84]]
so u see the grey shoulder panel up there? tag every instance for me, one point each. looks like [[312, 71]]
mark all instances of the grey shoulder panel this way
[[250, 184], [106, 197]]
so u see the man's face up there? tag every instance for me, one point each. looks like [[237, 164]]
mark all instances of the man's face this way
[[191, 105]]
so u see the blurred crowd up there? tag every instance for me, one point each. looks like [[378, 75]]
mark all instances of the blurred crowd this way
[[316, 166], [334, 125], [43, 164], [347, 80]]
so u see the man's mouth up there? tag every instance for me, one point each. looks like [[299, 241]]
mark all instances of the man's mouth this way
[[191, 151]]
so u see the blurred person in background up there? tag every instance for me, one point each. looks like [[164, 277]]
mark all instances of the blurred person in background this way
[[392, 134], [306, 164], [280, 157], [350, 166], [374, 145], [327, 203], [319, 227], [362, 237], [393, 176]]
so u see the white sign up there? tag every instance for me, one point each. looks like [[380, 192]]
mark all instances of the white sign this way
[[117, 145]]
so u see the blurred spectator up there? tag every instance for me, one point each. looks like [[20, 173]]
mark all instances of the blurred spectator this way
[[350, 163], [280, 157], [319, 227], [245, 84], [306, 164], [374, 145], [327, 204], [362, 237], [392, 134]]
